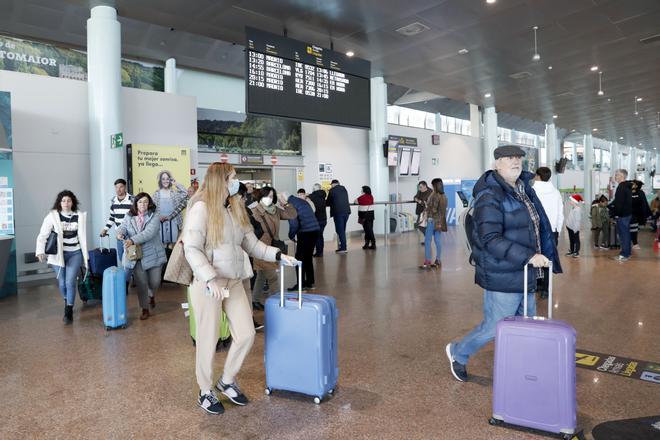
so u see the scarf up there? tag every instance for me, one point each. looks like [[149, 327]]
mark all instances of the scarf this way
[[272, 209], [140, 221], [534, 215]]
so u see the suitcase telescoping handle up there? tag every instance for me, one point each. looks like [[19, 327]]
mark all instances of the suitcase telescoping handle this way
[[107, 237], [282, 266], [549, 290]]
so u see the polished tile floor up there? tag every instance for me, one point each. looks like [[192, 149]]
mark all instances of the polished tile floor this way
[[80, 381]]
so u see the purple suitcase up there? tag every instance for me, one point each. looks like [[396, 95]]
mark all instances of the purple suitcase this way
[[534, 372]]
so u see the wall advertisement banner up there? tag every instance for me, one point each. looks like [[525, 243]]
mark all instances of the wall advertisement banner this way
[[27, 56], [146, 162]]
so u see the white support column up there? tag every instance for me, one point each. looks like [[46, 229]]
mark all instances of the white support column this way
[[588, 169], [475, 121], [170, 76], [379, 174], [576, 166], [632, 163], [614, 159], [490, 137], [104, 99], [552, 151]]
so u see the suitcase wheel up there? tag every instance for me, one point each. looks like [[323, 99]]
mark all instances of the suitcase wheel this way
[[331, 392], [123, 326], [495, 422], [317, 400], [107, 329], [268, 391]]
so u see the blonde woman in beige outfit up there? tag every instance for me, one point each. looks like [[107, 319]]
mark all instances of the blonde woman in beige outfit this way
[[217, 238], [269, 211]]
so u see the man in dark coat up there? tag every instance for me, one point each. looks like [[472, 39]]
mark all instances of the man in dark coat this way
[[340, 210], [511, 231], [318, 199], [305, 229], [623, 213]]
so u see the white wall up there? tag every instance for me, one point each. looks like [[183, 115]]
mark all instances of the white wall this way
[[457, 157], [219, 92], [50, 133]]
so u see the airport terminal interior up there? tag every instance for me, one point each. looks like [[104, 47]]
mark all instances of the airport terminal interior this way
[[399, 175]]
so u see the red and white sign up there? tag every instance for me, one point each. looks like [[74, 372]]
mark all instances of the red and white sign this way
[[224, 158], [273, 160]]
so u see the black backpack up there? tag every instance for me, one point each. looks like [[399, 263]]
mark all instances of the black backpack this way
[[466, 220]]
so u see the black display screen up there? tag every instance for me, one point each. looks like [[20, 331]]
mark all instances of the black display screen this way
[[291, 79]]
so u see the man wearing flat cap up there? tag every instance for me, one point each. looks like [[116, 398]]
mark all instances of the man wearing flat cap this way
[[511, 233]]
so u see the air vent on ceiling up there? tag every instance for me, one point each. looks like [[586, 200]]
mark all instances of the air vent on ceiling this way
[[651, 39], [413, 29], [520, 75]]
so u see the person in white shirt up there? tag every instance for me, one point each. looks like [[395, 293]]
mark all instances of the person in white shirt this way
[[554, 208], [573, 223]]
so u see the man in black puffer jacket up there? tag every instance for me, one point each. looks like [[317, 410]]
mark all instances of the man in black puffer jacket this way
[[511, 230], [318, 199]]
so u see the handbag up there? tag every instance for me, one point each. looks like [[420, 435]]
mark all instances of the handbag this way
[[178, 269], [134, 252], [282, 246], [51, 244]]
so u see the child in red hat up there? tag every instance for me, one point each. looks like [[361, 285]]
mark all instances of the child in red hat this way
[[573, 222]]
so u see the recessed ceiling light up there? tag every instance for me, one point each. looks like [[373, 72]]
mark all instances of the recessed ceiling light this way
[[594, 68], [620, 138], [487, 95], [490, 2], [594, 129], [555, 116], [640, 144], [609, 99], [639, 99], [549, 67], [350, 53], [463, 51]]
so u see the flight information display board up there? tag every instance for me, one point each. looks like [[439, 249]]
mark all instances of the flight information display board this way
[[291, 79]]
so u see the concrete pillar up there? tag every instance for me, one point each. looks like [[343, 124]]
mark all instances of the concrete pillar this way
[[576, 166], [552, 151], [104, 99], [490, 137], [379, 174], [632, 163], [475, 121], [588, 169], [170, 76]]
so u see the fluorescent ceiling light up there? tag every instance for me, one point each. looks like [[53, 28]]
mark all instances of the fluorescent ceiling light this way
[[555, 116], [490, 2], [487, 95], [594, 129], [621, 138], [350, 53], [594, 68], [549, 67], [639, 99]]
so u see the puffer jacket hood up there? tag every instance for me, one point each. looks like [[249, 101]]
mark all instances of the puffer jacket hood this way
[[503, 235]]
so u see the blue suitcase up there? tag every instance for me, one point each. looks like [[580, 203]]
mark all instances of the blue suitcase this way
[[114, 298], [301, 342], [102, 258]]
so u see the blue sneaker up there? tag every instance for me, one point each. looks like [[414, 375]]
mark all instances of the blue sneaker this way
[[458, 370]]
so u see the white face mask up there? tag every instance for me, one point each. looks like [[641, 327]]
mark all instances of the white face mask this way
[[267, 201]]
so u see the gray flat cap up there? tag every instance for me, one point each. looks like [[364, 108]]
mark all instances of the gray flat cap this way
[[508, 151]]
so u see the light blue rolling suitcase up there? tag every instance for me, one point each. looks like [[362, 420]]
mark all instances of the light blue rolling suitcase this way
[[114, 298], [301, 342]]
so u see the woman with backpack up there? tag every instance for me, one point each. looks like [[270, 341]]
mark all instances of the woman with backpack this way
[[436, 221]]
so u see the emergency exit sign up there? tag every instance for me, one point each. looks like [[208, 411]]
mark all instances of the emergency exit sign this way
[[117, 140]]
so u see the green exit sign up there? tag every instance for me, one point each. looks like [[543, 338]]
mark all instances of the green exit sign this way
[[117, 140]]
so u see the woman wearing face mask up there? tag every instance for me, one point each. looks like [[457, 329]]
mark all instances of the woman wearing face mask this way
[[269, 211], [170, 199], [141, 227], [70, 226], [218, 239]]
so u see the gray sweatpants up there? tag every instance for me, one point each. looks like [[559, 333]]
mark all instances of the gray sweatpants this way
[[146, 280]]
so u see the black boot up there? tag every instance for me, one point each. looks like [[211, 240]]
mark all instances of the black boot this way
[[68, 314]]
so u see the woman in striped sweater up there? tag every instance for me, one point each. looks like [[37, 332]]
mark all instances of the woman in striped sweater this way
[[70, 225]]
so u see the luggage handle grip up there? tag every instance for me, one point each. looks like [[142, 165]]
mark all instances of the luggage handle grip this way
[[526, 277], [106, 236], [282, 266]]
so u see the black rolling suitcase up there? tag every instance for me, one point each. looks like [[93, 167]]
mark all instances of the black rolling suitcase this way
[[614, 236]]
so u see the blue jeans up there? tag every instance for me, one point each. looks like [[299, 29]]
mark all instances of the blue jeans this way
[[67, 275], [431, 234], [497, 306], [319, 241], [340, 228], [623, 229], [120, 252]]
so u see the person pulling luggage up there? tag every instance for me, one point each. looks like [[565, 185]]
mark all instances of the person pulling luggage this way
[[144, 255], [218, 239]]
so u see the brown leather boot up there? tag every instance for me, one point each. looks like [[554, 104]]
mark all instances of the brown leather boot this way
[[144, 315]]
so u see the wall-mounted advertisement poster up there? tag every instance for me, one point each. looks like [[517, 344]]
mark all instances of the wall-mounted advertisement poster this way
[[146, 163], [38, 58], [8, 272], [231, 132]]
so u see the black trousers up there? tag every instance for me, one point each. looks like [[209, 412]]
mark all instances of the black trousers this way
[[368, 225], [574, 240], [305, 253]]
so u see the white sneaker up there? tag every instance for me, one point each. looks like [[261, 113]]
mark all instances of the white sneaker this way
[[637, 246]]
